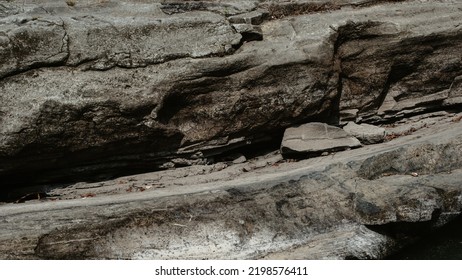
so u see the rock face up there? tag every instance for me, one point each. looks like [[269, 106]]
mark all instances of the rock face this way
[[316, 138], [359, 204], [366, 133], [95, 89]]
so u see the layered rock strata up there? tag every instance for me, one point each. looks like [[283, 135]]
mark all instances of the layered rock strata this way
[[94, 89], [365, 203]]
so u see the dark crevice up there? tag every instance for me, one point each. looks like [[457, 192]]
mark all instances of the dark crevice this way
[[32, 67], [430, 108], [281, 10], [172, 104], [42, 165], [444, 243], [407, 230], [259, 146], [406, 233], [178, 7], [396, 73], [373, 3], [278, 11], [248, 37], [66, 42], [40, 178]]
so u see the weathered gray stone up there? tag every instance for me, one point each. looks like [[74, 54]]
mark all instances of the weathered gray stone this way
[[316, 138], [348, 115], [95, 88], [223, 7], [249, 32], [31, 42], [138, 40], [365, 133], [240, 159], [334, 208], [254, 17]]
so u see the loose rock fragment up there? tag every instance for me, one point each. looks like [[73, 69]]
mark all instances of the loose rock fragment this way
[[314, 139], [366, 133]]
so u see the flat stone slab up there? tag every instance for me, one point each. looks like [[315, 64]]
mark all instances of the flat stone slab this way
[[316, 138], [254, 17], [366, 133]]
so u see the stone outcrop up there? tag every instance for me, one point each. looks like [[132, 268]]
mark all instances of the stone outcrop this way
[[315, 139], [360, 204], [95, 90]]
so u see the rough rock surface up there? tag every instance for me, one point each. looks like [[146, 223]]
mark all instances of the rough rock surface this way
[[102, 89], [366, 133], [349, 205], [91, 90], [316, 138]]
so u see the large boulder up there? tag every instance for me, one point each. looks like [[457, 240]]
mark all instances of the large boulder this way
[[316, 138]]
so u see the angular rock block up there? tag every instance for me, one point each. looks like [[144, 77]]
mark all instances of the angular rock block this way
[[365, 133], [314, 139]]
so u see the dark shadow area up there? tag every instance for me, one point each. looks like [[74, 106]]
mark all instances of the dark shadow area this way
[[36, 178], [442, 244]]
